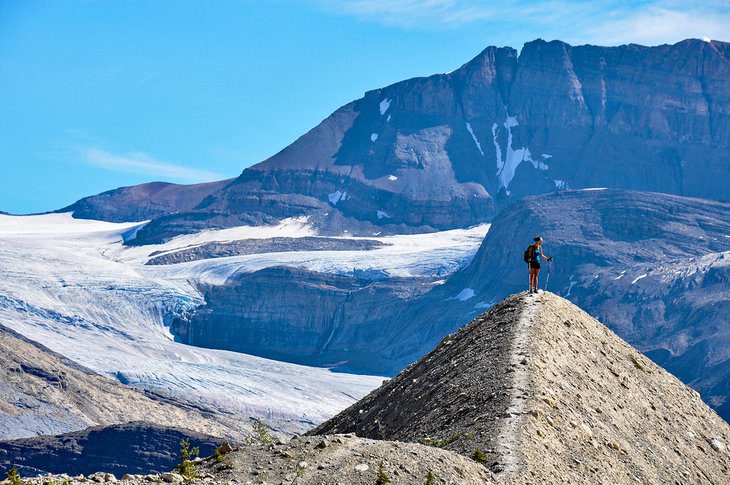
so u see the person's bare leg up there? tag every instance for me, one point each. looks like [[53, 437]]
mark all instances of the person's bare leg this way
[[533, 278], [537, 274]]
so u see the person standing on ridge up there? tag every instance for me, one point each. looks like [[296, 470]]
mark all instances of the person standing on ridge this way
[[534, 255]]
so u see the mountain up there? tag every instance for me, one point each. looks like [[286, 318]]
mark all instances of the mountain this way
[[533, 391], [44, 393], [547, 393], [451, 150], [142, 202], [137, 447]]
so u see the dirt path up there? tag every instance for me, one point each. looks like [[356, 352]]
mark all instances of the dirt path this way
[[509, 436]]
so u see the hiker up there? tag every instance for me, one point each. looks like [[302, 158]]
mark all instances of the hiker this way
[[533, 256]]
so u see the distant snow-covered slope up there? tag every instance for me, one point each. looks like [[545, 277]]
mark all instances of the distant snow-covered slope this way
[[60, 289], [72, 285]]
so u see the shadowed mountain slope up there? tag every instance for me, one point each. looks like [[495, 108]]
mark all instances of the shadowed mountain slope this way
[[142, 202], [135, 447]]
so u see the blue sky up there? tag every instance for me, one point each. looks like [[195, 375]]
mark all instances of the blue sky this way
[[98, 94]]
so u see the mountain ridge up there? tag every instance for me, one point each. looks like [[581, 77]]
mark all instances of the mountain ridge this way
[[568, 400], [452, 150]]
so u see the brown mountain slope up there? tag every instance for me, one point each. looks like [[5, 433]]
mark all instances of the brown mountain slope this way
[[43, 393], [548, 393]]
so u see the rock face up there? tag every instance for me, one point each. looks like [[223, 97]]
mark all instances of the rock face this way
[[314, 318], [44, 393], [450, 150], [547, 393], [142, 202], [139, 448]]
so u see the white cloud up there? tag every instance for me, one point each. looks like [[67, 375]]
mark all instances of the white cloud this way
[[648, 22], [141, 163], [658, 25]]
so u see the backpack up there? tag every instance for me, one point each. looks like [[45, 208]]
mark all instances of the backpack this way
[[528, 253]]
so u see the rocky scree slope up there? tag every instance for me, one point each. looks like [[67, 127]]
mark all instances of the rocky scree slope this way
[[43, 393], [319, 460], [547, 393], [451, 150]]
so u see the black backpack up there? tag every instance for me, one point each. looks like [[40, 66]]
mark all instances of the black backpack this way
[[528, 253]]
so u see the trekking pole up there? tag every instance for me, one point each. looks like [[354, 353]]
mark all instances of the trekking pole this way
[[550, 270]]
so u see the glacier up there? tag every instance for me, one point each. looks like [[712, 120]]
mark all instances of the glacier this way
[[73, 286]]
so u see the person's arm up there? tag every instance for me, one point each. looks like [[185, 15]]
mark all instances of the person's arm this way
[[545, 255]]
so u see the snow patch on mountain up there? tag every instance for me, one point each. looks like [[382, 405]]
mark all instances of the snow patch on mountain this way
[[638, 278], [465, 294], [373, 136], [474, 137], [507, 165], [336, 196], [384, 105]]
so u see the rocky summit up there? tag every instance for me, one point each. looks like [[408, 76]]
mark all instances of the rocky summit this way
[[533, 391], [544, 392]]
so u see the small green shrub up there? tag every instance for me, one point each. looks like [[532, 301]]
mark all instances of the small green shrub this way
[[14, 477], [446, 442], [637, 364], [220, 453], [479, 456], [430, 479], [261, 431], [382, 478], [186, 468]]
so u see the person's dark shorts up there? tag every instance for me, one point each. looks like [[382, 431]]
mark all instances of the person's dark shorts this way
[[534, 265]]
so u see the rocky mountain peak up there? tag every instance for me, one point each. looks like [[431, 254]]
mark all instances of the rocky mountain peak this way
[[453, 150], [544, 390]]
